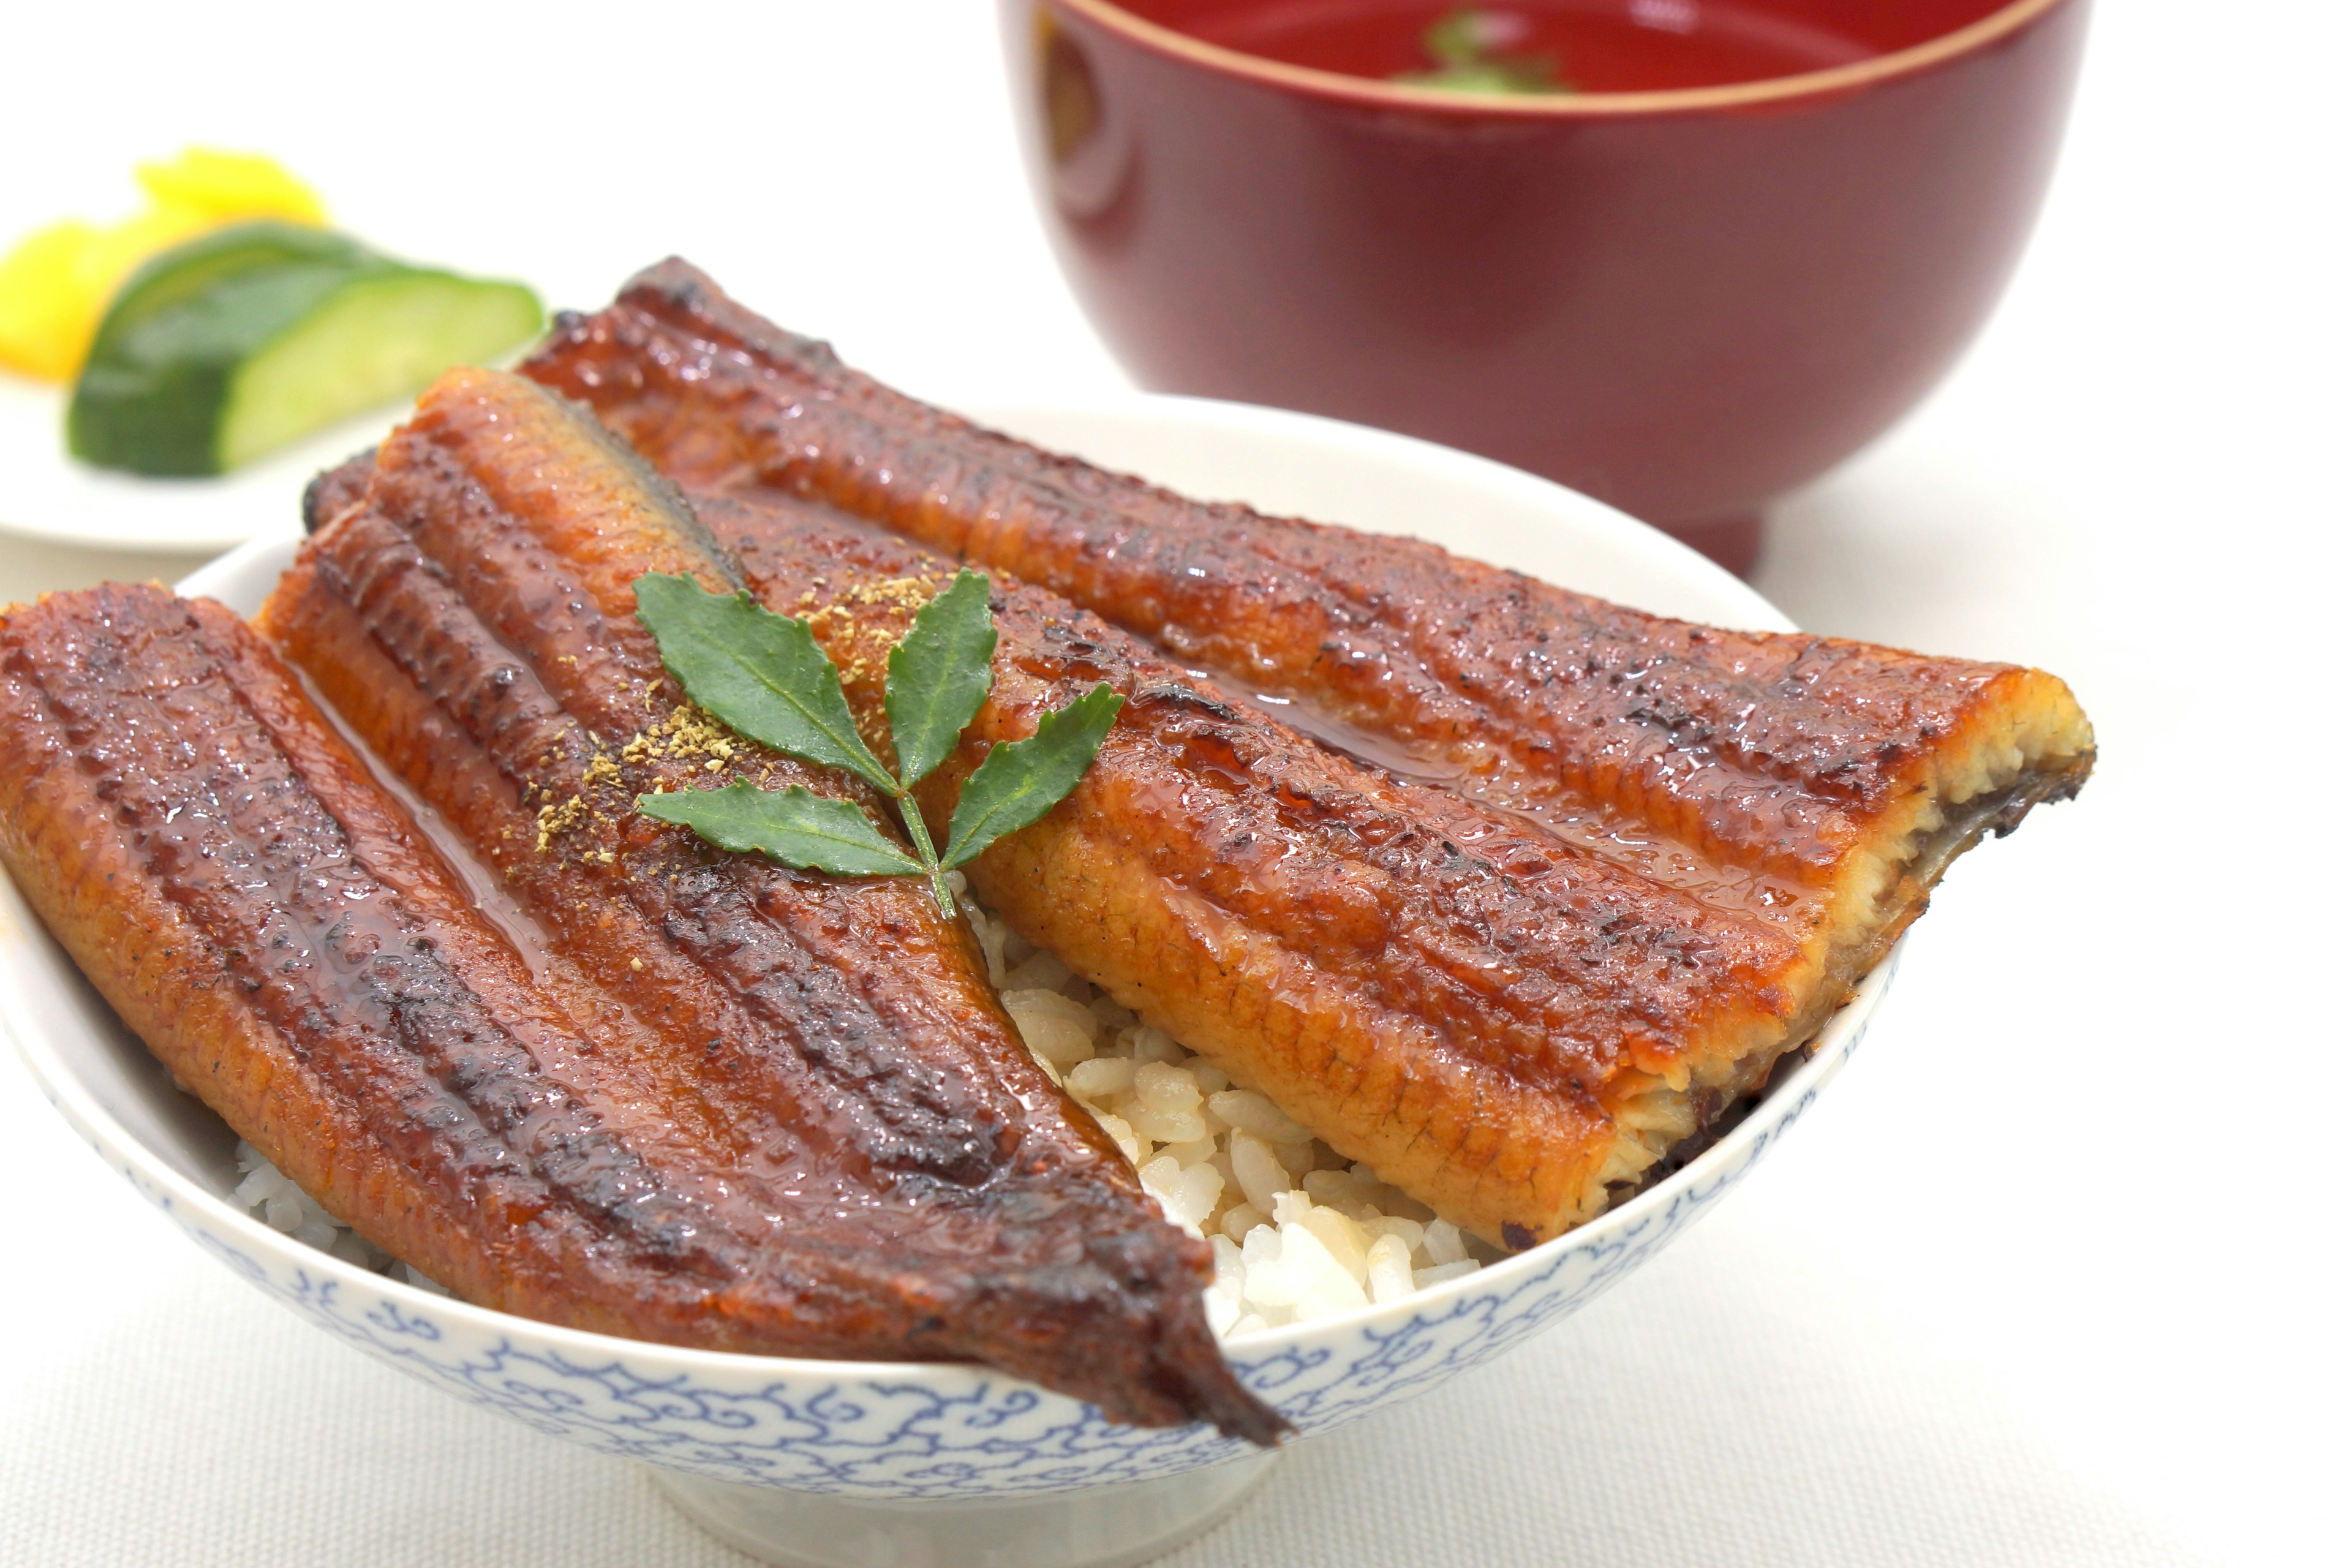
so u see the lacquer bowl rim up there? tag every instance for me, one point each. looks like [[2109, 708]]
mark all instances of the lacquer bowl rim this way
[[233, 575], [1370, 93]]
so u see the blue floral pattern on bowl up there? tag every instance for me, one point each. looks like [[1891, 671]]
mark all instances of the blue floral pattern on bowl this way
[[862, 1431], [878, 1430]]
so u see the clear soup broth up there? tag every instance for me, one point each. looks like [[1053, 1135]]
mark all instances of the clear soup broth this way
[[1539, 46]]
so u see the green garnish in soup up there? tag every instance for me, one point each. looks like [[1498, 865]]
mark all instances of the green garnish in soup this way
[[1471, 50]]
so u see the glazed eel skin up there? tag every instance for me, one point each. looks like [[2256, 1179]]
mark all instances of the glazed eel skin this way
[[1805, 787], [268, 921], [1419, 984], [891, 1173]]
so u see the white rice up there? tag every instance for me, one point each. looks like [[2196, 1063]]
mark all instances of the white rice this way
[[1298, 1232], [271, 1197]]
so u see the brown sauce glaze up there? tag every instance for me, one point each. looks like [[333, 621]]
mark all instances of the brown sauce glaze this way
[[1759, 755], [1653, 856], [1437, 991], [473, 618], [225, 870], [1804, 789], [491, 898]]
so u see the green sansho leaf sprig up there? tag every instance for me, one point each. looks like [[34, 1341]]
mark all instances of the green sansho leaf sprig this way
[[763, 676]]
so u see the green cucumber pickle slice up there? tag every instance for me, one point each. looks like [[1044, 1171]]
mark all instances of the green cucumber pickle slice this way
[[239, 342], [376, 340]]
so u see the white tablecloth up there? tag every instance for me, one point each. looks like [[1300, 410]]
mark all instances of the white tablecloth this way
[[2056, 1274]]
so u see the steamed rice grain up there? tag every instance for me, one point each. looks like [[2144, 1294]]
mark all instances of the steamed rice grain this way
[[1299, 1233], [268, 1194]]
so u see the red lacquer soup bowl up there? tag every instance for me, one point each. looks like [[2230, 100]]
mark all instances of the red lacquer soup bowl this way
[[1686, 299]]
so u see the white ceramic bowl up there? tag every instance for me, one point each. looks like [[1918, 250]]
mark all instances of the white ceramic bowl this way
[[877, 1464]]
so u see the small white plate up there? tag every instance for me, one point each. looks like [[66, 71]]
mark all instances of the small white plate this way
[[45, 494]]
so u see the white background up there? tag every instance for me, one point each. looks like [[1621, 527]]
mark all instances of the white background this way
[[2057, 1272]]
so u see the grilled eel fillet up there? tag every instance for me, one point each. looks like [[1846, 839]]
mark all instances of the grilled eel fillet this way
[[1421, 982], [679, 1095], [268, 921], [1812, 786]]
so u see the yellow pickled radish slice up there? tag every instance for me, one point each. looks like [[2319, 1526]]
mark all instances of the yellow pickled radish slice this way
[[231, 187], [56, 284]]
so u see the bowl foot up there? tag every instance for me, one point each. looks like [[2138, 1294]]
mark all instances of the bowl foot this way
[[1732, 542], [1099, 1527]]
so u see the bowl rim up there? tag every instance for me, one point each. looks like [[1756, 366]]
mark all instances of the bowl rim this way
[[1369, 93], [154, 1172]]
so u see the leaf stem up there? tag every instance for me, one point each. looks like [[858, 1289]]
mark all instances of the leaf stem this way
[[920, 832]]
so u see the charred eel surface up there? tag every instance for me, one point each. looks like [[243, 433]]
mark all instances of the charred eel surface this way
[[927, 1186], [1812, 785], [1506, 1034], [229, 876]]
